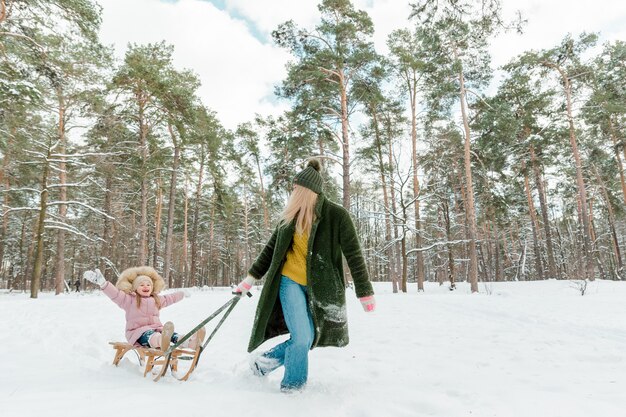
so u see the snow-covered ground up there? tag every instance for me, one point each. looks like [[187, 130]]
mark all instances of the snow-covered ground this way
[[524, 349]]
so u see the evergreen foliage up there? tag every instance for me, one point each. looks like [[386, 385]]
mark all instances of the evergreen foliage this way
[[117, 164]]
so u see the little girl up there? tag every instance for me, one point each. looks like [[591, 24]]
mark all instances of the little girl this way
[[136, 292]]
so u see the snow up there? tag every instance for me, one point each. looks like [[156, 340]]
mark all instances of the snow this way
[[527, 349]]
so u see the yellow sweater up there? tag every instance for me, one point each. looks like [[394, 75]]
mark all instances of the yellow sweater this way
[[295, 264]]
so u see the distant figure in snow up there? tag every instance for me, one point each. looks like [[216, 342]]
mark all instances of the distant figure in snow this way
[[304, 291], [77, 285], [136, 292]]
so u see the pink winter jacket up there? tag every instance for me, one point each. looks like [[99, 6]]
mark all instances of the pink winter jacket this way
[[146, 317]]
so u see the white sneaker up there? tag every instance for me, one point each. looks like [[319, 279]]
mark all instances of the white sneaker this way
[[262, 365]]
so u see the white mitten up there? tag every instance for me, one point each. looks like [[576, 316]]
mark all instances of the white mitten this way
[[95, 277], [368, 303], [244, 286]]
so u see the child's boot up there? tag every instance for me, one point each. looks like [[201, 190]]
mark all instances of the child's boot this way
[[166, 335], [199, 337], [195, 340]]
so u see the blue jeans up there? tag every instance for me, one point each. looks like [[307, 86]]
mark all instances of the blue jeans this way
[[293, 353], [145, 338]]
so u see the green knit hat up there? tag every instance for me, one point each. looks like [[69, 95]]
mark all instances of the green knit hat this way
[[310, 176]]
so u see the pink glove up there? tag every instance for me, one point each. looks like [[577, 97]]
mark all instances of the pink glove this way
[[244, 286], [368, 303]]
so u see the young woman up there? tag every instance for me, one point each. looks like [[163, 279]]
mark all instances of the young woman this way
[[304, 291]]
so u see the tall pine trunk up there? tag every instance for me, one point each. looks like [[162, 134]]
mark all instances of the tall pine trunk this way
[[533, 222], [580, 182], [185, 258], [213, 254], [395, 275], [158, 209], [383, 182], [196, 221], [142, 253], [5, 183], [553, 271], [499, 275], [416, 190], [266, 216], [405, 259], [345, 141], [618, 159], [59, 279], [107, 232], [469, 202], [246, 228], [611, 219], [35, 281], [167, 275], [446, 217]]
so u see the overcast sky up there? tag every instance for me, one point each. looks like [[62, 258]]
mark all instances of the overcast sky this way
[[228, 42]]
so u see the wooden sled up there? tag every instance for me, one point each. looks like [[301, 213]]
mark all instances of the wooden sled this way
[[158, 361], [154, 360]]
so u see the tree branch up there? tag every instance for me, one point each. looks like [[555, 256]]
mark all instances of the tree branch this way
[[17, 35]]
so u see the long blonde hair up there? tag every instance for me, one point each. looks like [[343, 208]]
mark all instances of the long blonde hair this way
[[301, 207], [157, 300]]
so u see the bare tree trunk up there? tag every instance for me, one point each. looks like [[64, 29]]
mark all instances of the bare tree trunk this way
[[440, 272], [266, 216], [35, 281], [446, 217], [196, 221], [212, 255], [416, 188], [460, 211], [60, 255], [3, 10], [522, 264], [395, 262], [491, 229], [404, 263], [405, 260], [499, 276], [383, 181], [618, 159], [5, 183], [27, 261], [185, 259], [469, 206], [115, 248], [611, 215], [580, 182], [246, 227], [167, 276], [158, 209], [5, 226], [574, 238], [345, 145], [597, 254], [533, 222], [481, 256], [507, 261], [142, 254], [107, 231], [543, 205]]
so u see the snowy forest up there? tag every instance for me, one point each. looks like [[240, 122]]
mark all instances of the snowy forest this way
[[112, 164]]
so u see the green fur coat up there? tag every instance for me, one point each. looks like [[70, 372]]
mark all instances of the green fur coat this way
[[332, 234]]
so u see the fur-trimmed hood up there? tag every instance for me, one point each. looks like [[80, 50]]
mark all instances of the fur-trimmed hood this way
[[125, 281]]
